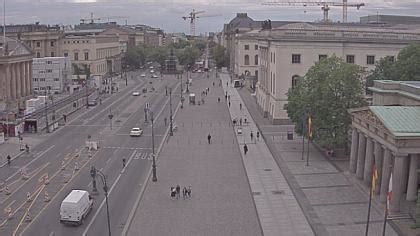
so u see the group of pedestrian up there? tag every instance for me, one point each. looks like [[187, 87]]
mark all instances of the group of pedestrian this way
[[175, 192]]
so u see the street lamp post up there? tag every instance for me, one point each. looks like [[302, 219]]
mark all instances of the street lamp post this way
[[154, 179], [110, 116], [171, 133], [182, 97], [46, 111], [93, 175], [103, 178]]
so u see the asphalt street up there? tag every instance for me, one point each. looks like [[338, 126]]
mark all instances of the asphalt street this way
[[65, 147]]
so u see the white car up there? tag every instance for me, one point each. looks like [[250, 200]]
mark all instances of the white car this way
[[136, 93], [136, 132], [154, 76], [143, 75], [152, 71]]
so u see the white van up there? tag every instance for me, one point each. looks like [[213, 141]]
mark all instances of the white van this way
[[75, 207]]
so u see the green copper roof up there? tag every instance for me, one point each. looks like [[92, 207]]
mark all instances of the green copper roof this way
[[400, 120]]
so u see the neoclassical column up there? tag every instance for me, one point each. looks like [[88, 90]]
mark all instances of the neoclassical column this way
[[18, 80], [28, 82], [353, 152], [378, 156], [23, 78], [2, 82], [397, 182], [8, 82], [386, 173], [361, 156], [367, 174], [12, 82], [30, 78], [412, 178]]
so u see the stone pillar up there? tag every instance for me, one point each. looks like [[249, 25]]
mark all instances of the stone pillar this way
[[367, 173], [18, 80], [23, 79], [361, 156], [378, 153], [397, 182], [353, 152], [12, 82], [386, 173], [8, 82], [412, 178], [30, 78], [2, 82]]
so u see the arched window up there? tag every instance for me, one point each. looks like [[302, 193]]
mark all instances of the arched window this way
[[256, 60], [295, 80], [246, 60]]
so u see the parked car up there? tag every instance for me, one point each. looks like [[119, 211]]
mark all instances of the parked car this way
[[136, 132], [143, 75], [92, 103], [152, 71], [136, 93], [155, 76], [75, 207]]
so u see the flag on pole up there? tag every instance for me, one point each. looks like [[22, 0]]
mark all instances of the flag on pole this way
[[309, 126], [389, 196], [374, 178]]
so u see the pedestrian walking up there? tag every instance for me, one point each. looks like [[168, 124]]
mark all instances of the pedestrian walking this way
[[252, 136], [189, 191], [209, 138], [178, 191], [27, 147], [123, 160], [240, 106], [245, 149], [173, 193], [9, 160], [227, 83], [245, 121], [229, 103], [213, 83], [218, 99], [184, 192], [165, 120], [240, 121], [258, 136], [229, 98]]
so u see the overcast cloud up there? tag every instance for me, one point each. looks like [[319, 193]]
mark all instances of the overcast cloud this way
[[166, 14]]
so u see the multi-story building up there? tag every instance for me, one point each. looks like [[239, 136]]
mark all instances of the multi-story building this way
[[15, 75], [51, 74], [100, 53], [287, 52], [43, 40]]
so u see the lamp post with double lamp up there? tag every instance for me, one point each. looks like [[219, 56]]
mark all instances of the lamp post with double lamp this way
[[95, 172], [182, 96], [154, 178]]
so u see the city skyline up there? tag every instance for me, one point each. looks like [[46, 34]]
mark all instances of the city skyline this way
[[166, 14]]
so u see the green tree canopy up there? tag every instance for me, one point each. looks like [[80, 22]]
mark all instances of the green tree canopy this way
[[327, 91], [220, 56]]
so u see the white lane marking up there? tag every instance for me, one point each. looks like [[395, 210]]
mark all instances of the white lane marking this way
[[103, 201], [25, 166]]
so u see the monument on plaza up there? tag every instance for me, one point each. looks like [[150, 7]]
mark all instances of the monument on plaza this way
[[171, 63]]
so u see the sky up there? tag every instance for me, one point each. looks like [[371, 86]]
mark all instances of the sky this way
[[166, 14]]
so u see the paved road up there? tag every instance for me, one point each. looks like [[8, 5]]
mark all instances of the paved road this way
[[65, 147]]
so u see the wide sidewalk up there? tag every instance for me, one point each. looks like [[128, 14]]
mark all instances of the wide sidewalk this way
[[334, 202], [221, 202]]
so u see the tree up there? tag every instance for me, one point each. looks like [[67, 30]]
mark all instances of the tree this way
[[327, 91], [220, 56], [384, 70], [188, 56]]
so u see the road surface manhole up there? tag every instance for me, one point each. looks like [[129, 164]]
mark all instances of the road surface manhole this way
[[256, 193], [278, 192], [267, 169]]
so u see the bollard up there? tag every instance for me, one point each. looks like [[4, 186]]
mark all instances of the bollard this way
[[63, 165], [76, 166], [28, 197], [7, 190], [46, 180], [46, 197]]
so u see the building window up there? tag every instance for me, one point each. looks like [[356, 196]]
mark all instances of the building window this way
[[295, 80], [56, 79], [52, 54], [86, 56], [256, 60], [49, 71], [246, 60], [256, 47], [370, 60], [38, 54], [38, 44], [246, 47], [52, 43], [322, 56], [350, 59], [49, 62], [76, 56], [295, 58], [66, 54]]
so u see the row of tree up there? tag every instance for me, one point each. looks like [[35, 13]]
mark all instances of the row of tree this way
[[186, 52], [332, 86]]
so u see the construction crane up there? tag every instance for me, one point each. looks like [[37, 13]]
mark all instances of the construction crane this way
[[192, 16], [325, 6], [92, 19]]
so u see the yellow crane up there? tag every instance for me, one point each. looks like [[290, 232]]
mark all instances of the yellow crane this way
[[325, 6]]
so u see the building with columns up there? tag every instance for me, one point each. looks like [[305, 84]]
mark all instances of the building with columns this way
[[389, 92], [389, 138], [15, 75]]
